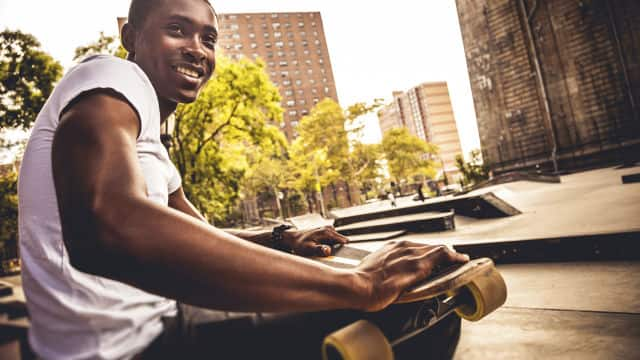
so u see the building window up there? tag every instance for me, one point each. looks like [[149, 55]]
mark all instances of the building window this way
[[300, 92], [271, 64], [254, 45], [315, 33], [301, 24], [289, 34], [303, 34], [309, 71], [277, 34], [234, 27], [326, 89], [304, 43], [298, 82], [238, 46], [292, 53], [267, 44], [320, 61], [269, 54], [293, 113], [283, 63], [286, 82], [302, 102], [305, 51], [288, 92], [291, 44], [280, 53], [308, 62], [266, 35], [304, 112], [315, 101], [273, 16], [279, 44], [295, 62], [275, 25], [294, 123], [232, 17], [313, 23], [252, 35], [291, 103]]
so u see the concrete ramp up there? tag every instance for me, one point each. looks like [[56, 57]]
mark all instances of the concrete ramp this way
[[482, 206]]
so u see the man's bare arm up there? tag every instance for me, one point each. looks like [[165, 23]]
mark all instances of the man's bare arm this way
[[112, 229], [312, 242]]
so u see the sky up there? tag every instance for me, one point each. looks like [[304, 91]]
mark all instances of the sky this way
[[375, 46]]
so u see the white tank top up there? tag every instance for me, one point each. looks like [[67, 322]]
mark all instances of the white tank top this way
[[75, 315]]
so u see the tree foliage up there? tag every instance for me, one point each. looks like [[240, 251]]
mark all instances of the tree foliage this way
[[27, 78], [323, 153], [104, 45], [220, 136], [473, 171], [8, 212], [407, 154]]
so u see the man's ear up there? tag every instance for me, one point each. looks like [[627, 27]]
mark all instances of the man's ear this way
[[128, 36]]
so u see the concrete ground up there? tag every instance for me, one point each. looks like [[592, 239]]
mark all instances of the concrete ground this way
[[570, 310]]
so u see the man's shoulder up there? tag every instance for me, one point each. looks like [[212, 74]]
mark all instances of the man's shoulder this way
[[108, 66]]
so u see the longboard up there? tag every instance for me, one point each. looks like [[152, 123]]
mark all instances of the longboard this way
[[472, 290]]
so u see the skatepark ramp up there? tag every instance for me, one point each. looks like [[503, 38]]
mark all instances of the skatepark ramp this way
[[483, 206]]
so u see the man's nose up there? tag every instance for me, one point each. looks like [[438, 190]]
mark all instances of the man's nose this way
[[194, 50]]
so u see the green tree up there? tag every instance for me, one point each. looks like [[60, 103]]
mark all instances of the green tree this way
[[473, 171], [27, 77], [104, 45], [216, 137], [323, 150], [407, 154], [9, 214]]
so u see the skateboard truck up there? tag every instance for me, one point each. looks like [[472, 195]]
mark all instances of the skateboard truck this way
[[472, 290]]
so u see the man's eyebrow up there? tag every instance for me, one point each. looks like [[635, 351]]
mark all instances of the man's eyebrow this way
[[181, 18]]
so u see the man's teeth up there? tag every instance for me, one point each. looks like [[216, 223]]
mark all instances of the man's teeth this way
[[187, 72]]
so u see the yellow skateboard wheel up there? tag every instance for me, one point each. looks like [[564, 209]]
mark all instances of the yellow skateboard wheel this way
[[361, 340], [489, 292]]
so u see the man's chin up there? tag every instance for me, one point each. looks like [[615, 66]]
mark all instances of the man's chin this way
[[186, 97]]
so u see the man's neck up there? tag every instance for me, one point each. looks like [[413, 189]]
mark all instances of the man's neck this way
[[166, 109]]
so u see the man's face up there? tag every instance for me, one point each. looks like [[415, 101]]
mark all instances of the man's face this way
[[176, 48]]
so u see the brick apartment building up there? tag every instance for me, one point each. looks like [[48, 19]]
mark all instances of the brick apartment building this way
[[556, 83], [293, 46], [426, 112]]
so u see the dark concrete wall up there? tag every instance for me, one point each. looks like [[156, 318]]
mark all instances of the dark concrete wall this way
[[588, 56]]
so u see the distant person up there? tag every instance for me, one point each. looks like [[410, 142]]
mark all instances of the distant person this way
[[392, 198], [420, 194], [116, 261]]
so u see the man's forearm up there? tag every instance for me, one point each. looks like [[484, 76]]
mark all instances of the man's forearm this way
[[179, 257], [263, 238]]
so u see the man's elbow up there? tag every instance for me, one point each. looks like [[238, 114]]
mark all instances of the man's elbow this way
[[98, 241]]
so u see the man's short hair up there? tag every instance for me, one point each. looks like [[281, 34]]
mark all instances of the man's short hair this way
[[139, 10]]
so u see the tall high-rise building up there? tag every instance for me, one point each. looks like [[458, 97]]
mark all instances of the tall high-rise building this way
[[293, 46], [555, 83], [426, 112]]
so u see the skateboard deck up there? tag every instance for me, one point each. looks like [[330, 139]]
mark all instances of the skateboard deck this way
[[471, 290]]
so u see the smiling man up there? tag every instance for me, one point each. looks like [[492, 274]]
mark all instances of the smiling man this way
[[109, 241]]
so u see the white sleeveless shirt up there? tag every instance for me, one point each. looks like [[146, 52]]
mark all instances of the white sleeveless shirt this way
[[75, 315]]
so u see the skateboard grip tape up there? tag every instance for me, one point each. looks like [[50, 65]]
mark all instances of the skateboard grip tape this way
[[361, 340], [489, 292]]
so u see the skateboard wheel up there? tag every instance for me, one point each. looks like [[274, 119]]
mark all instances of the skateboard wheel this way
[[489, 292], [358, 341]]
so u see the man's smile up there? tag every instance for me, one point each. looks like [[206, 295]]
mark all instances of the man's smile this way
[[190, 72]]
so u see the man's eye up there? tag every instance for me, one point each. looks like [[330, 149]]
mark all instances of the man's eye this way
[[175, 28], [210, 43]]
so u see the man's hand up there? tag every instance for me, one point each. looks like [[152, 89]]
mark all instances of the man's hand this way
[[399, 265], [313, 242]]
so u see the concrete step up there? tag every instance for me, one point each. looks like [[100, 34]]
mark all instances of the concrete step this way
[[482, 206], [417, 223]]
